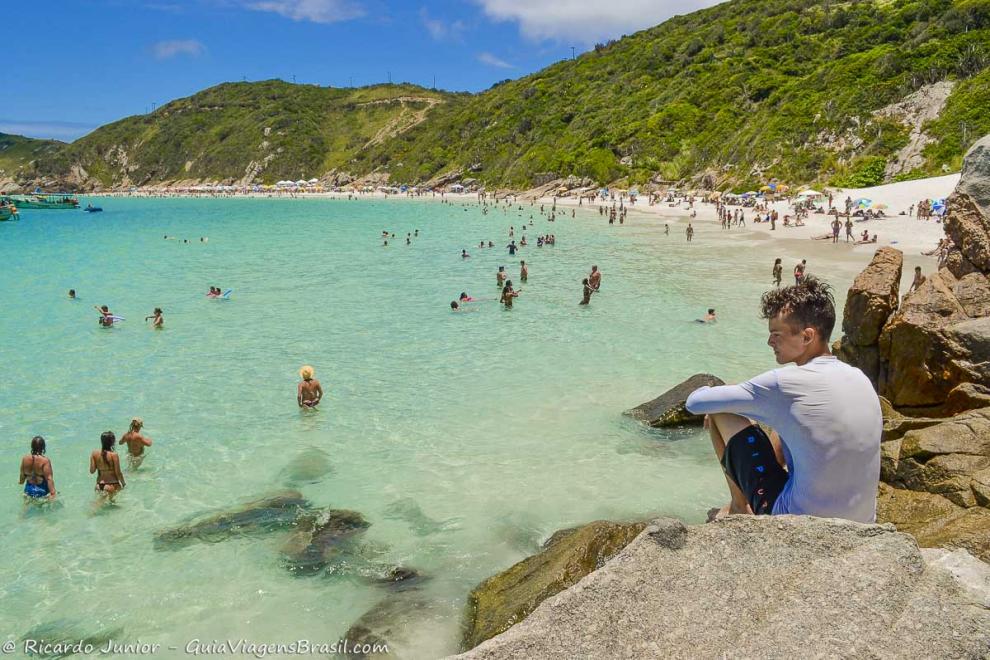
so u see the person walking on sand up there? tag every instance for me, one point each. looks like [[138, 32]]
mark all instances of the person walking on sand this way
[[136, 442], [36, 472], [309, 392], [778, 271], [822, 457], [689, 232], [105, 463]]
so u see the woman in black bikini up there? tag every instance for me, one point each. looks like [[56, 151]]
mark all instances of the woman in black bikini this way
[[106, 463], [36, 472]]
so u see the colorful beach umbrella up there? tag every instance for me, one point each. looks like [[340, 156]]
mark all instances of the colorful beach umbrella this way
[[864, 203]]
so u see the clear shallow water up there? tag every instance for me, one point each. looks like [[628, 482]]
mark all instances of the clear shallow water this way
[[465, 439]]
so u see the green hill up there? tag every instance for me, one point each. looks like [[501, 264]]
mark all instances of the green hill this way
[[746, 91], [259, 132], [17, 152], [850, 93]]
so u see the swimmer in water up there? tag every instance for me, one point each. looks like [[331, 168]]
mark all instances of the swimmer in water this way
[[158, 321], [309, 392], [72, 294], [464, 254], [465, 297], [136, 442], [709, 317], [106, 318], [105, 463], [36, 472]]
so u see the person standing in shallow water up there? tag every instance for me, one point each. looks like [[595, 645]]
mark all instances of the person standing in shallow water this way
[[105, 463], [586, 296], [508, 295], [309, 392], [136, 442], [595, 278], [523, 272], [36, 472], [689, 232], [778, 271]]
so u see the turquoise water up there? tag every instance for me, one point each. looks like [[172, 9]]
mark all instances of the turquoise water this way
[[465, 439]]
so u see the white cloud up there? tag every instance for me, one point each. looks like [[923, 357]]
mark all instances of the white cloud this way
[[491, 60], [440, 29], [163, 50], [316, 11], [586, 21]]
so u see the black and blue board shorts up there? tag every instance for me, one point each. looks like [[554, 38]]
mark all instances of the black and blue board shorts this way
[[750, 462]]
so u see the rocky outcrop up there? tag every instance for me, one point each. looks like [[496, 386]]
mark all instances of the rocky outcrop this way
[[870, 302], [938, 338], [937, 480], [569, 555], [712, 591], [668, 409]]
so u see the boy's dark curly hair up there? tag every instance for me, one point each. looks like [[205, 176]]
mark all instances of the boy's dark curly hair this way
[[806, 305]]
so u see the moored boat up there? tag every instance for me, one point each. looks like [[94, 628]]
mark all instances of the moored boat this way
[[46, 201]]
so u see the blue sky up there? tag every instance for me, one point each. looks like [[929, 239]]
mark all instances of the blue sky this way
[[73, 65]]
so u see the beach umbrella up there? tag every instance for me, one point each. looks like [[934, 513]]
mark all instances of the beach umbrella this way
[[809, 193], [879, 205], [938, 206], [864, 203]]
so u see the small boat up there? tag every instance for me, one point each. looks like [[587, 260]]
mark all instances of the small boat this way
[[46, 201], [93, 209], [8, 212]]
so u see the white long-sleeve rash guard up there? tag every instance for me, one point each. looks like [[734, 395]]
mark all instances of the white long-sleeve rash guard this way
[[828, 418]]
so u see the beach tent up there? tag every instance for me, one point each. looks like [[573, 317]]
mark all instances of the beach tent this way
[[809, 193], [457, 188], [938, 206], [302, 182], [313, 181], [751, 193]]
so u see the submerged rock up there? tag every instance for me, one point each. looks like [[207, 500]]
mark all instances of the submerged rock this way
[[275, 512], [569, 555], [401, 578], [63, 638], [668, 408], [408, 510], [308, 467], [755, 587], [318, 536], [408, 624]]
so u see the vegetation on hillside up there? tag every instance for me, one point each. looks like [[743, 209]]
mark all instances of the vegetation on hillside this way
[[262, 131], [746, 90], [17, 152], [736, 94]]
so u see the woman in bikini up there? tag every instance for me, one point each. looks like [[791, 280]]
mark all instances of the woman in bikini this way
[[106, 464], [36, 472]]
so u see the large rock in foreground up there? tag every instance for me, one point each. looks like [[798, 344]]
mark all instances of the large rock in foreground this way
[[757, 587], [507, 598], [668, 409]]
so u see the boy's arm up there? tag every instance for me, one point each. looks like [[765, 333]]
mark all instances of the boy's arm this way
[[749, 398]]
